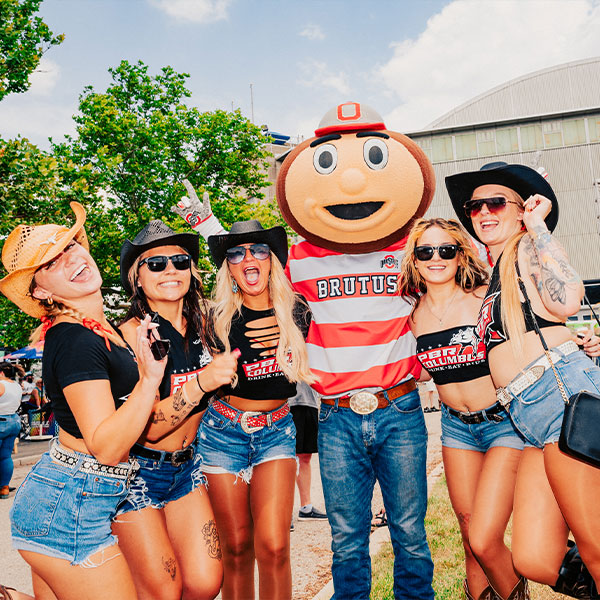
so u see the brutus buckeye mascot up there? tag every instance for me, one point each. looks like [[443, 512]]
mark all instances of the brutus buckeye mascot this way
[[352, 192]]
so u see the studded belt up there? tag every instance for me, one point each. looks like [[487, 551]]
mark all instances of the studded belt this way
[[533, 372], [176, 458], [88, 464], [250, 420], [364, 403], [474, 418]]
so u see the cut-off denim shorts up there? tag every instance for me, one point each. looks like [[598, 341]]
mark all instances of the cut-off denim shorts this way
[[479, 436], [64, 512], [537, 411], [226, 448], [158, 482]]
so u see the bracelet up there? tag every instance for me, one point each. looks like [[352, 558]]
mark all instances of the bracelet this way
[[198, 382]]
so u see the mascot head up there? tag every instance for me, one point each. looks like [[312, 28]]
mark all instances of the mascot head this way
[[355, 187]]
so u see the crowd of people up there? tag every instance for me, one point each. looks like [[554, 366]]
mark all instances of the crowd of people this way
[[174, 468]]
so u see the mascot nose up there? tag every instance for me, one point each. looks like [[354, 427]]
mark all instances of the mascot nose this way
[[353, 181]]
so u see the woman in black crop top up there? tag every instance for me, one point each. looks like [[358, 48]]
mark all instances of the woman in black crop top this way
[[247, 436], [102, 400], [445, 280], [166, 526], [512, 209]]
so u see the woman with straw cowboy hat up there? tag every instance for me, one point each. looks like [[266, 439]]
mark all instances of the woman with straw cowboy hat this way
[[102, 400]]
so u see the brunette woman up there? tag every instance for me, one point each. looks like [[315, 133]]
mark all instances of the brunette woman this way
[[166, 526], [513, 210], [10, 422], [481, 449], [102, 401], [247, 436]]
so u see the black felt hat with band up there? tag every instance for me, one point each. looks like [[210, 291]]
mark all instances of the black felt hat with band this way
[[156, 233], [249, 232], [523, 180]]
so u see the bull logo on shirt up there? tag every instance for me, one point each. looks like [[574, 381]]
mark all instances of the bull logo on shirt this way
[[483, 331]]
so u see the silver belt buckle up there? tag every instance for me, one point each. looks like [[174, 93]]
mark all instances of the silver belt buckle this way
[[363, 403], [244, 421]]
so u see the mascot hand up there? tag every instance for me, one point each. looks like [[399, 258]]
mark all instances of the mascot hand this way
[[198, 214]]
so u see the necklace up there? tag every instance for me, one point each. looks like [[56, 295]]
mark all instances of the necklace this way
[[440, 319]]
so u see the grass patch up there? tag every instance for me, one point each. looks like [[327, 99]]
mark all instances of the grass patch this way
[[447, 553]]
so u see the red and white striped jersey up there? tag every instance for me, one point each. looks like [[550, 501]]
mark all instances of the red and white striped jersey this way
[[359, 337]]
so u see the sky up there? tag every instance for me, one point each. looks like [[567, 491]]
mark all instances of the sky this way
[[411, 60]]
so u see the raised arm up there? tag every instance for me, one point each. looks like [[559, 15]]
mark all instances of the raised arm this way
[[558, 284]]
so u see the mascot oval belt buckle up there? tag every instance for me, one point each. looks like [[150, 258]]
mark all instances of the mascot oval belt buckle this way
[[363, 403], [246, 428]]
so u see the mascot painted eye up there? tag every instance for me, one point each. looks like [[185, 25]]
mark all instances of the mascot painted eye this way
[[325, 159], [376, 153]]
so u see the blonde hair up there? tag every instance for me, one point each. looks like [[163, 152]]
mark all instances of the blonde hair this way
[[470, 274], [291, 342]]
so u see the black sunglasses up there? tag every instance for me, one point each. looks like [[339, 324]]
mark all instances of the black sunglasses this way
[[494, 205], [156, 264], [445, 252], [237, 254], [159, 348]]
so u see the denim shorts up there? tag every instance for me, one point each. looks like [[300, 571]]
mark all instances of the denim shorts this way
[[159, 482], [537, 411], [479, 436], [64, 512], [226, 448]]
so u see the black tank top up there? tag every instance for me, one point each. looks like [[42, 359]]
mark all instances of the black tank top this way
[[489, 324], [453, 355]]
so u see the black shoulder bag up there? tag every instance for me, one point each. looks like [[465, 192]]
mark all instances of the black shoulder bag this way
[[579, 434]]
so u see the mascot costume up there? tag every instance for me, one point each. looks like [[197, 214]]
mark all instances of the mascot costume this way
[[353, 192]]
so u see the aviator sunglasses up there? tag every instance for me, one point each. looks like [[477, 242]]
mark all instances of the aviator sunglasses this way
[[237, 254], [494, 205], [181, 262], [445, 252]]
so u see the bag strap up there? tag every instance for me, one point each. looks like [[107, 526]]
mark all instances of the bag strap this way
[[559, 382]]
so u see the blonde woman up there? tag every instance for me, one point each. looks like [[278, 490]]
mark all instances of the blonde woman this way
[[102, 400], [247, 435], [513, 210], [481, 449]]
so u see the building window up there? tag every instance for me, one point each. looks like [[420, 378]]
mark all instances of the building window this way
[[531, 138], [552, 134], [486, 142], [507, 140], [442, 149], [425, 144], [574, 131], [594, 128], [466, 145]]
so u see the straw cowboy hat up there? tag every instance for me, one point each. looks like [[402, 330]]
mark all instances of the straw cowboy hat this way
[[523, 180], [155, 234], [246, 232], [27, 248]]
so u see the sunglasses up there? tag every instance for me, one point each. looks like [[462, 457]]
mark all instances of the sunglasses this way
[[158, 347], [156, 264], [494, 205], [237, 254], [445, 252]]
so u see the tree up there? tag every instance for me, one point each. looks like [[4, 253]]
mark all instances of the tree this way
[[24, 38]]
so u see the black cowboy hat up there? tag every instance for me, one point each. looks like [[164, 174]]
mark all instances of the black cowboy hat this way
[[523, 180], [247, 232], [156, 233]]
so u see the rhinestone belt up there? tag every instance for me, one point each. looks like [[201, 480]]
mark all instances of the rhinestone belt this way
[[250, 420], [533, 372]]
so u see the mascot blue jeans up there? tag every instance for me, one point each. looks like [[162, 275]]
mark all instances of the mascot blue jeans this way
[[388, 445]]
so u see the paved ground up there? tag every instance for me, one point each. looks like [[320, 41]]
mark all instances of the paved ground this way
[[310, 542]]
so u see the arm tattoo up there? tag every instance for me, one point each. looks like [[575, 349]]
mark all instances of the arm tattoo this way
[[170, 566], [178, 400], [211, 538], [175, 419], [557, 288], [159, 415]]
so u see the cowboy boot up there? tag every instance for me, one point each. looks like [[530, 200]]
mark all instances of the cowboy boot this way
[[520, 591], [573, 577], [487, 594]]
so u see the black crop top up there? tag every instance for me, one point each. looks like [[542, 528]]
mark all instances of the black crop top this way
[[256, 334], [182, 365], [73, 353], [453, 355], [489, 324]]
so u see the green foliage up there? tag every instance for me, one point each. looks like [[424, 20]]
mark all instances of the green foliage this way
[[24, 38]]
